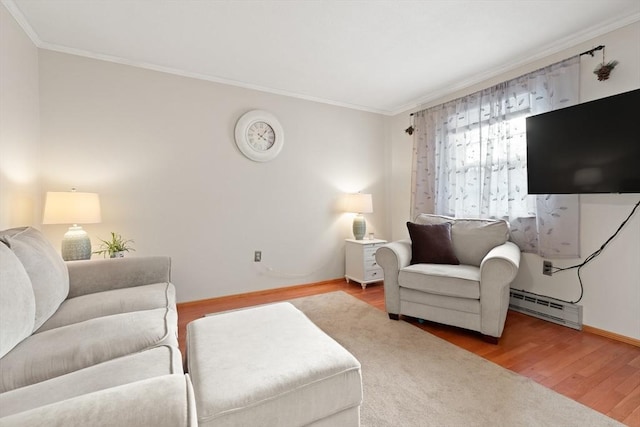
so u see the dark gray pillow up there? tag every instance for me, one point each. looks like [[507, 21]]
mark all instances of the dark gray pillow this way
[[431, 244]]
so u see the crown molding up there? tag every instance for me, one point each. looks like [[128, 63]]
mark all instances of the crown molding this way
[[31, 33], [22, 21], [558, 46], [200, 76], [418, 103]]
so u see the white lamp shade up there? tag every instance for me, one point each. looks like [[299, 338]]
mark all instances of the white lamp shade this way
[[359, 203], [71, 208]]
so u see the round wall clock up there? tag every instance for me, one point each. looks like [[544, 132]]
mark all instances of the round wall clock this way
[[259, 135]]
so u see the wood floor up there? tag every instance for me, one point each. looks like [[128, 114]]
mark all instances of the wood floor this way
[[596, 371]]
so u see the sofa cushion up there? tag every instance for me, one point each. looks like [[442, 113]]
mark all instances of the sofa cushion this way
[[431, 244], [165, 401], [451, 280], [162, 360], [472, 238], [17, 302], [67, 349], [46, 269], [100, 304]]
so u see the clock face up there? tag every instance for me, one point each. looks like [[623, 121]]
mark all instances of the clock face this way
[[261, 136]]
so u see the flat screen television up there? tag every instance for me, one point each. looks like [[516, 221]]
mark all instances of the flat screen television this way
[[593, 147]]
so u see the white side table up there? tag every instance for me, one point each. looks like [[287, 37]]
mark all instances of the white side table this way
[[360, 262]]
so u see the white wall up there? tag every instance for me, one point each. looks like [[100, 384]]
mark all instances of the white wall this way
[[612, 281], [160, 151], [19, 128]]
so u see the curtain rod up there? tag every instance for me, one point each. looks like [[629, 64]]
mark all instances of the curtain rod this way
[[591, 51], [587, 52]]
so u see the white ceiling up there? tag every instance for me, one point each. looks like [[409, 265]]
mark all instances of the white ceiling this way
[[381, 56]]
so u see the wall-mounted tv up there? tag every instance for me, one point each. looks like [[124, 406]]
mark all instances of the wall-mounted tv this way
[[593, 147]]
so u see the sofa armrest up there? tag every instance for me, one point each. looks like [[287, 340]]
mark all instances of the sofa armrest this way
[[497, 270], [86, 277], [393, 257], [161, 401]]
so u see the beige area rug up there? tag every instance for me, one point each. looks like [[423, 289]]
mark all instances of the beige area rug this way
[[412, 378]]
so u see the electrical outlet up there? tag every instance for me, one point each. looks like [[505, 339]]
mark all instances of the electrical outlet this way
[[547, 268], [257, 256]]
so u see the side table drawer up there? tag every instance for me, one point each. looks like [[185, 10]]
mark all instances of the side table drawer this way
[[372, 274], [370, 264], [370, 251]]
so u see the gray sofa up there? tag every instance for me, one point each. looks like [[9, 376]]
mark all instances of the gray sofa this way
[[81, 341]]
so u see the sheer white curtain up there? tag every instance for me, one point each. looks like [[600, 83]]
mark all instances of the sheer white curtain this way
[[470, 159]]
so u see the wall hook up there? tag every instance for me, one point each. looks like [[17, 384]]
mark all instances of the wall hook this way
[[411, 128]]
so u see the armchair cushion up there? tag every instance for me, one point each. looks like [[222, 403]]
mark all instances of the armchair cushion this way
[[431, 244], [472, 238], [462, 281]]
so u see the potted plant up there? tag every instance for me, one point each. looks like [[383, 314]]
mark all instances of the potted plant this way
[[116, 247]]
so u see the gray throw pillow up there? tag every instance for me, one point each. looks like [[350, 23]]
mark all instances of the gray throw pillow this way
[[45, 267], [17, 303]]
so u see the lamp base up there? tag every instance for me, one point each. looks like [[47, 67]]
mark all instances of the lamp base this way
[[76, 244], [359, 227]]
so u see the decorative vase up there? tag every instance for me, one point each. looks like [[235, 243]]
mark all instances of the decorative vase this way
[[119, 254], [359, 227]]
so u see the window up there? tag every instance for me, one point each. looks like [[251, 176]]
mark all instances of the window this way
[[481, 158], [470, 158]]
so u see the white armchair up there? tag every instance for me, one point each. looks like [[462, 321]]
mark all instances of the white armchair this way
[[473, 294]]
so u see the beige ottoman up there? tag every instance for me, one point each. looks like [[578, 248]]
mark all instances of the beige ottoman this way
[[271, 366]]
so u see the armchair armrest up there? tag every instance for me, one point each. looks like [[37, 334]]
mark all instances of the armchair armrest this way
[[165, 401], [501, 264], [86, 277], [497, 270], [392, 257]]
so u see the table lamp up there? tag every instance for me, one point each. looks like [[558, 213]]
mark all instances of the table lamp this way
[[359, 204], [75, 208]]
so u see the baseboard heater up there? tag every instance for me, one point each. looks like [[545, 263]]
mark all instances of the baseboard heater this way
[[547, 308]]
